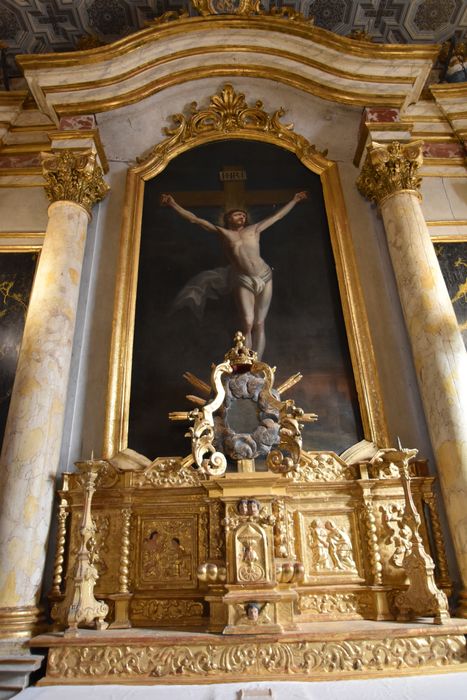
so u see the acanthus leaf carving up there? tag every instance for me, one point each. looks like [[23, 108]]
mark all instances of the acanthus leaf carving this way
[[317, 659], [389, 169], [73, 177], [227, 113]]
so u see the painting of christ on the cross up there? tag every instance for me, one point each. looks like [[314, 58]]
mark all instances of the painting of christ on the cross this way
[[248, 219], [248, 275]]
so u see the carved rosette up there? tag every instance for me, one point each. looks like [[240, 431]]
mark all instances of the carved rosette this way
[[390, 169], [73, 177]]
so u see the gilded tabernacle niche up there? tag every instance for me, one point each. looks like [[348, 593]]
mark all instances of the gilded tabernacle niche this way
[[247, 562]]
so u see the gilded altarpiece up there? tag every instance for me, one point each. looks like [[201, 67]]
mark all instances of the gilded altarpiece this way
[[251, 557]]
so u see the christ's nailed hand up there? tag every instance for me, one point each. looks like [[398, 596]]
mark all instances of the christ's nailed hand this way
[[300, 196], [167, 200]]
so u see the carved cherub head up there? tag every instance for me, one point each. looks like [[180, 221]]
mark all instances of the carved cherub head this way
[[252, 611], [242, 506], [253, 507]]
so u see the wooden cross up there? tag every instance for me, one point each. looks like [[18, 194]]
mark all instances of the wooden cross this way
[[234, 194]]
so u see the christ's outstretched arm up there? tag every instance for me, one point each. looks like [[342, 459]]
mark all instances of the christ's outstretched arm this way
[[169, 201], [270, 220]]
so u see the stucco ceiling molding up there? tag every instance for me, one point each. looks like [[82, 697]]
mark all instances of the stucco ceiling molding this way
[[313, 60]]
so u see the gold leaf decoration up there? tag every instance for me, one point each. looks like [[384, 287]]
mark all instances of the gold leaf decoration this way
[[390, 169], [73, 177]]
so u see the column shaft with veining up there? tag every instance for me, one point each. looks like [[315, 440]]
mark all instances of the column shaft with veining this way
[[33, 433], [390, 178]]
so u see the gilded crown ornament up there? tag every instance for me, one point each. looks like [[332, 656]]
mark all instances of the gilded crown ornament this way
[[240, 354], [390, 169]]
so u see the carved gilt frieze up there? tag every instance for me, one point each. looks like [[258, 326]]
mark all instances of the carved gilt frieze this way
[[262, 659], [156, 610], [166, 472], [335, 604], [322, 466]]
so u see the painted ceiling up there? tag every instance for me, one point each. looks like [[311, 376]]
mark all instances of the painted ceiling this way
[[43, 26]]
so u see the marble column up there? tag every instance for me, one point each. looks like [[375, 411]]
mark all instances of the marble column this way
[[389, 177], [33, 434]]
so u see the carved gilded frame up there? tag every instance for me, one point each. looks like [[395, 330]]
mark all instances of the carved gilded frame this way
[[229, 117]]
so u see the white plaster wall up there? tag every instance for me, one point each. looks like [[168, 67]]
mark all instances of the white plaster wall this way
[[132, 131], [444, 198], [23, 209]]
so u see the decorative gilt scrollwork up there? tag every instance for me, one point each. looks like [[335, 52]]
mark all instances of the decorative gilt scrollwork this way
[[166, 472], [322, 466], [335, 604], [226, 7], [228, 112], [202, 433], [247, 8], [390, 169], [282, 458], [161, 610], [261, 659], [73, 177], [286, 457]]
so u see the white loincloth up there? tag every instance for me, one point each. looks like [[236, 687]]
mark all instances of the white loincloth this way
[[255, 283], [212, 284]]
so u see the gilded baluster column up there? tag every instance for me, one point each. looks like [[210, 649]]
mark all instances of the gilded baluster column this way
[[33, 434], [389, 177]]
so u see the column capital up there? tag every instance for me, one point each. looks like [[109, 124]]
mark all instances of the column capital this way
[[389, 169], [73, 177]]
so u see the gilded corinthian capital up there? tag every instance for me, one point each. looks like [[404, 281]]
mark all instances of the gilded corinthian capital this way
[[390, 169], [73, 177]]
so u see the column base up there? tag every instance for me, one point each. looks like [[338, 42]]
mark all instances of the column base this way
[[15, 671], [21, 622], [461, 610]]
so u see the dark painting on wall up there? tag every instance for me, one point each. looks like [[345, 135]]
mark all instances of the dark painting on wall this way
[[452, 258], [304, 328], [16, 278]]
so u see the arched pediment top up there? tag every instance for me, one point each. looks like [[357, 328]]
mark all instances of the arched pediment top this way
[[229, 116], [191, 48]]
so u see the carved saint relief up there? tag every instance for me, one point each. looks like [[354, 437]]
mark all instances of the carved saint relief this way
[[167, 551], [331, 547]]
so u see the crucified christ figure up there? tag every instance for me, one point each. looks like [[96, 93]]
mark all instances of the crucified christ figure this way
[[252, 275]]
